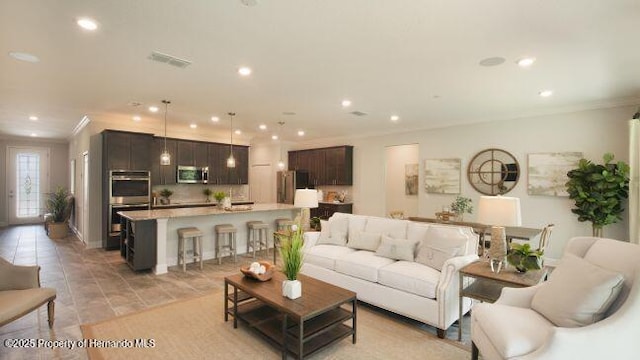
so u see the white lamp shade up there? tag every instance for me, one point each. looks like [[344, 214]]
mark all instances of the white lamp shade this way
[[306, 198], [499, 211]]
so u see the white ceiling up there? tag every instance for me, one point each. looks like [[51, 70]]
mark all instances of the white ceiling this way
[[417, 59]]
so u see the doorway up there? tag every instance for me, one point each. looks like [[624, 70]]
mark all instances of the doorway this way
[[401, 179], [27, 183], [261, 184]]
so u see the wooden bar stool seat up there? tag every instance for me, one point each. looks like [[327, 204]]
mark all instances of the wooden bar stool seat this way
[[257, 236], [195, 235], [283, 224], [225, 240]]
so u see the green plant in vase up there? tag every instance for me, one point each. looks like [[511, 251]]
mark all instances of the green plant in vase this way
[[460, 206], [291, 244], [524, 258], [166, 194], [219, 196], [207, 193], [314, 222]]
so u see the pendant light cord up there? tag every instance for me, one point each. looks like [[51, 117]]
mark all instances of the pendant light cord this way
[[166, 106], [231, 114]]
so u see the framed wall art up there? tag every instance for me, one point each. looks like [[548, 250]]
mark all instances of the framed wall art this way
[[411, 179], [548, 172], [442, 176]]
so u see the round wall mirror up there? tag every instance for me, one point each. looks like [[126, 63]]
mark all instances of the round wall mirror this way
[[493, 172]]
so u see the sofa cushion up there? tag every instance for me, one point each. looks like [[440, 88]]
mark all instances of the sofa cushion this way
[[578, 293], [440, 243], [334, 231], [325, 255], [398, 249], [514, 331], [410, 277], [396, 229], [357, 224], [16, 302], [364, 241], [417, 231], [361, 264]]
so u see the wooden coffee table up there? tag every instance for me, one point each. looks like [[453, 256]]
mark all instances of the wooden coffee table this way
[[298, 327], [477, 281]]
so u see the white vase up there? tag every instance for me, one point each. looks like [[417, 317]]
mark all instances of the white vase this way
[[292, 289]]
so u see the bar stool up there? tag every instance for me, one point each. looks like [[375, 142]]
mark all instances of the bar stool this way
[[257, 236], [195, 235], [283, 224], [225, 233]]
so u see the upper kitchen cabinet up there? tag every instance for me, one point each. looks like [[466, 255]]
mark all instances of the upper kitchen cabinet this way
[[192, 153], [163, 174], [200, 154], [240, 174], [326, 166], [122, 150], [217, 159]]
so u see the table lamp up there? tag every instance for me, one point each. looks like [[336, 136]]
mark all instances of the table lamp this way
[[305, 199], [499, 211]]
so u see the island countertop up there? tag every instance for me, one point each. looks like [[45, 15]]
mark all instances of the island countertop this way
[[139, 215]]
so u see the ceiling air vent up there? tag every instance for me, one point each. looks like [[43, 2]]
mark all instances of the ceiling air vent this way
[[358, 113], [168, 59]]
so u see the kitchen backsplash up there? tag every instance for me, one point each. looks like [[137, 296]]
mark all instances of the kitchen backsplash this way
[[193, 192]]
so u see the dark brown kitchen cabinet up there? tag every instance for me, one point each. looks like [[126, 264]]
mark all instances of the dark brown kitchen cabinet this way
[[123, 150], [218, 171], [240, 174], [163, 174], [326, 166], [185, 153], [200, 154], [326, 210]]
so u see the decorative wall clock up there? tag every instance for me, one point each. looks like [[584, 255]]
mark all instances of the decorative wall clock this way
[[493, 172]]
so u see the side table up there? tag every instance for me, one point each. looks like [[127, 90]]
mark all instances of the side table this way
[[477, 281]]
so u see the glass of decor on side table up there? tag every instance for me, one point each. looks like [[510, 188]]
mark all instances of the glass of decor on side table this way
[[291, 243]]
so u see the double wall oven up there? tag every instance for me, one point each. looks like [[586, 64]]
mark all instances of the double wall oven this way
[[128, 190]]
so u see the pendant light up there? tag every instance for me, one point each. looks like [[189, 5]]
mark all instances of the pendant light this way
[[231, 161], [165, 157], [280, 162]]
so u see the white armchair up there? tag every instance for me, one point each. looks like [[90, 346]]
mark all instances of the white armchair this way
[[511, 329]]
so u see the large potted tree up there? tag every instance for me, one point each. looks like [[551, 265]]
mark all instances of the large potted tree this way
[[598, 191], [59, 204]]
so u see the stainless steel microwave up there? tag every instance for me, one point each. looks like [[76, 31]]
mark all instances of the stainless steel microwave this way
[[193, 175]]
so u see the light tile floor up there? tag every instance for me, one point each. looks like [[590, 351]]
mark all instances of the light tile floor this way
[[94, 284]]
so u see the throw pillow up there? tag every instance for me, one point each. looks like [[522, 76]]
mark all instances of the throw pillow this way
[[397, 249], [439, 244], [364, 241], [325, 231], [434, 257], [335, 233], [578, 293]]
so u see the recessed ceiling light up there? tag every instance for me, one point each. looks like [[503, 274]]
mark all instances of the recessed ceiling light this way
[[215, 119], [274, 137], [300, 132], [244, 71], [346, 103], [263, 127], [33, 118], [87, 24], [526, 62], [193, 126], [545, 93], [394, 118], [34, 135], [238, 132], [249, 3], [153, 109], [137, 118], [492, 61], [24, 57]]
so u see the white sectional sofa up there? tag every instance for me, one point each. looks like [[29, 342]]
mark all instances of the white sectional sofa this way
[[405, 267]]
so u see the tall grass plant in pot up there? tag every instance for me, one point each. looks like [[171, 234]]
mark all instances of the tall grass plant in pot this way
[[59, 205], [291, 243]]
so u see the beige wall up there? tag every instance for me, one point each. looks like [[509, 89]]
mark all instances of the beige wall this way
[[592, 132], [58, 167], [396, 157]]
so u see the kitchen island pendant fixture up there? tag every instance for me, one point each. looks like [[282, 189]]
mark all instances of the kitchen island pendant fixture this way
[[165, 157], [280, 162], [231, 161]]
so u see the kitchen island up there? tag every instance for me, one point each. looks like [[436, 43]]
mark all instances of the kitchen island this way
[[139, 225]]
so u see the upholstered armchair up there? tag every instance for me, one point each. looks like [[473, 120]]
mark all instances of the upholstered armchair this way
[[588, 309], [20, 292]]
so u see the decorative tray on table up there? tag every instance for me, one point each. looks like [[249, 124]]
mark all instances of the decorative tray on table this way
[[269, 269]]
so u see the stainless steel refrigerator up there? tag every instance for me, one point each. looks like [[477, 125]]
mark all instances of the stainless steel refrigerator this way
[[288, 182]]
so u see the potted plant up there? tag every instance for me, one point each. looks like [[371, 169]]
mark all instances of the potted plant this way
[[165, 194], [59, 204], [460, 206], [314, 223], [219, 196], [207, 194], [598, 191], [291, 244], [524, 258]]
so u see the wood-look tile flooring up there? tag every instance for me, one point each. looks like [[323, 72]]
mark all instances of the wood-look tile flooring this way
[[94, 284]]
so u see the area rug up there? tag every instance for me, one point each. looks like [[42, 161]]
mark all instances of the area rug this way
[[195, 329]]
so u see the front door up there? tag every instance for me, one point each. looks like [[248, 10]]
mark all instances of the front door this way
[[27, 183]]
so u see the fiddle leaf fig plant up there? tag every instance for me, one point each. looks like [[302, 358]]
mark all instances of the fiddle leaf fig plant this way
[[598, 191]]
